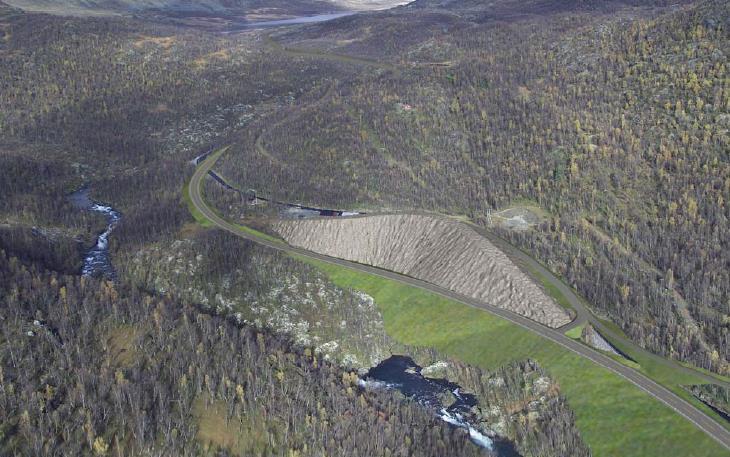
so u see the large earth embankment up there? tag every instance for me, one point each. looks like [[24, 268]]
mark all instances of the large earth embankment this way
[[434, 249]]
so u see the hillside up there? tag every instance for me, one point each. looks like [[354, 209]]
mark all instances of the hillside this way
[[261, 8], [611, 117], [92, 370], [111, 103], [590, 134]]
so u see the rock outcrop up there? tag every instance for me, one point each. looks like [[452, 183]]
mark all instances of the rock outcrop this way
[[434, 249]]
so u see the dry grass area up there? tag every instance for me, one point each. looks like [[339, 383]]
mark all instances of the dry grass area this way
[[190, 230], [369, 5], [159, 108], [518, 217], [204, 61], [266, 14], [60, 8], [121, 346], [215, 431], [164, 42], [435, 249]]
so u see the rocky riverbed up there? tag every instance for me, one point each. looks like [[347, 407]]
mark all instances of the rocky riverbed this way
[[97, 261]]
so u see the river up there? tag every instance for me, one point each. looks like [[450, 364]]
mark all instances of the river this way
[[97, 262], [403, 374], [241, 26]]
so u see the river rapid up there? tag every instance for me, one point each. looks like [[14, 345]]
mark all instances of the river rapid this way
[[401, 373], [97, 262]]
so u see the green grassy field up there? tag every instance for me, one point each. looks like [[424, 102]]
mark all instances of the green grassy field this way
[[259, 234], [615, 417], [661, 370], [664, 372], [575, 332]]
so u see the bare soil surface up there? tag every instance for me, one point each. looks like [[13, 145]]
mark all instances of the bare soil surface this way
[[441, 251], [517, 218]]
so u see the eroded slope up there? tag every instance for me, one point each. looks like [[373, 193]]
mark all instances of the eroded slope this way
[[437, 250]]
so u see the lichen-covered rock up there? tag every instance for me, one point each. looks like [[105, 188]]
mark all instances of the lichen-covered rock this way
[[435, 249]]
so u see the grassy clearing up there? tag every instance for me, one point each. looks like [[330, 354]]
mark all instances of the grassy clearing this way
[[575, 332], [706, 372], [615, 417], [190, 230], [612, 327], [259, 234], [665, 372], [624, 361], [661, 370]]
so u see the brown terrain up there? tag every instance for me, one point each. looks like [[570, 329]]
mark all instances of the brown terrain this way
[[444, 252]]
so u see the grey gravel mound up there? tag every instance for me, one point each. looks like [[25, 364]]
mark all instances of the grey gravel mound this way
[[434, 249]]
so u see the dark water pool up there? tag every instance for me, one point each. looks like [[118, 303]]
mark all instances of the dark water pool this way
[[400, 372]]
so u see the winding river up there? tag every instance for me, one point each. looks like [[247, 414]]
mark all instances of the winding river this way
[[97, 262]]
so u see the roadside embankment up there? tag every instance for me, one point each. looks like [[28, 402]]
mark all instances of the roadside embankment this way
[[444, 252]]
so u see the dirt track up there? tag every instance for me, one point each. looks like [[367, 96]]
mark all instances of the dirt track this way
[[437, 250]]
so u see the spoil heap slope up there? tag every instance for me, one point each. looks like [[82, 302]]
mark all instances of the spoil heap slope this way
[[434, 249]]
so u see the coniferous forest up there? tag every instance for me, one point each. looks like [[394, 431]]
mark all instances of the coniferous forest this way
[[604, 124]]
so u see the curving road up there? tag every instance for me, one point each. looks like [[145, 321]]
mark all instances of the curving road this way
[[681, 406], [583, 314]]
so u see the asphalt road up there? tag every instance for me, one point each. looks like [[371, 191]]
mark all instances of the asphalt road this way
[[583, 314], [681, 406]]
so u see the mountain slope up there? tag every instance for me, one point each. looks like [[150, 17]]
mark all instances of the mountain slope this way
[[115, 7], [613, 121]]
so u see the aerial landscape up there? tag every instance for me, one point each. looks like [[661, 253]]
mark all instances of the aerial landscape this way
[[365, 228]]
